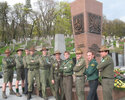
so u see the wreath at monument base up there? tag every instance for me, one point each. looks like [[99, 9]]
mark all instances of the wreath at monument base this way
[[119, 81]]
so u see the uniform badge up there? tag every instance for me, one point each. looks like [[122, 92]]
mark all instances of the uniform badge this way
[[103, 60], [92, 65]]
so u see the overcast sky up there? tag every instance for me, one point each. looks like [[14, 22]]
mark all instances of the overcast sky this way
[[112, 9]]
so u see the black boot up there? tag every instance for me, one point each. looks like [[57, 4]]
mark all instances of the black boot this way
[[29, 96], [23, 89], [40, 93]]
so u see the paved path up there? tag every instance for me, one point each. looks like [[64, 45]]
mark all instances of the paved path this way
[[13, 97]]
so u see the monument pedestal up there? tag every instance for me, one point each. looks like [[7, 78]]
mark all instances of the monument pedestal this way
[[87, 25], [117, 94]]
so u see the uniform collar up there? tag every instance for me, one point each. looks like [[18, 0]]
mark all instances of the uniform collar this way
[[105, 56], [92, 60]]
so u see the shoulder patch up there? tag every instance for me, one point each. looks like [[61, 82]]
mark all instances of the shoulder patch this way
[[92, 65], [107, 58]]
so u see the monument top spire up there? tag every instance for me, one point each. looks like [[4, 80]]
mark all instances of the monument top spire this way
[[28, 3]]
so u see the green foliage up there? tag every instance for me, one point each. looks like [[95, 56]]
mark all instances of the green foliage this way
[[72, 55], [117, 50], [69, 45], [63, 19], [1, 57], [119, 89], [115, 27]]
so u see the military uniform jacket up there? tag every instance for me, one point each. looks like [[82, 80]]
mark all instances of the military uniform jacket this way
[[45, 62], [55, 68], [79, 68], [33, 62], [8, 63], [25, 61], [106, 67], [67, 67], [91, 71], [19, 62]]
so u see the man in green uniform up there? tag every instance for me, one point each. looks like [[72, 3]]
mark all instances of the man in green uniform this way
[[33, 71], [67, 69], [45, 65], [8, 65], [26, 70], [57, 76], [19, 71], [78, 70], [106, 68], [92, 76]]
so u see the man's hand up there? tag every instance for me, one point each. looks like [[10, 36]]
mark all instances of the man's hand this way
[[86, 66], [32, 60], [52, 81]]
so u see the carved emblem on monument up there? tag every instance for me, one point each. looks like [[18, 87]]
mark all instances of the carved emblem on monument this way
[[78, 24], [94, 23]]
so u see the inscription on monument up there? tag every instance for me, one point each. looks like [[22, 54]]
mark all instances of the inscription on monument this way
[[78, 24], [80, 46], [94, 23]]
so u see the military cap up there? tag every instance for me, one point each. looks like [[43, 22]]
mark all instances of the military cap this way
[[32, 49], [7, 51], [44, 48], [103, 48], [57, 52], [20, 49], [79, 51]]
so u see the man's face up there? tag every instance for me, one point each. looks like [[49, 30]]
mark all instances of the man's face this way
[[27, 52], [19, 53], [90, 56], [7, 54], [57, 56], [44, 52], [66, 55], [78, 56], [31, 52], [103, 53]]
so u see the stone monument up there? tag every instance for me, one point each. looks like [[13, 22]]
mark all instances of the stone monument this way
[[87, 25], [60, 44]]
